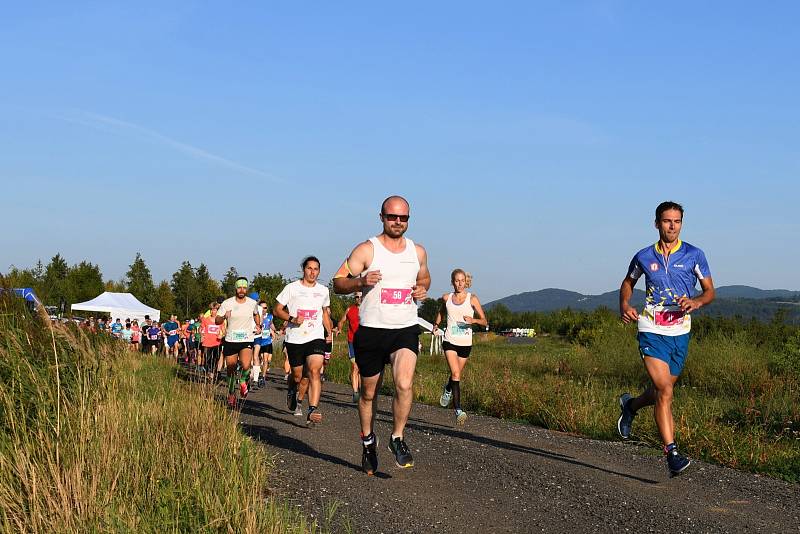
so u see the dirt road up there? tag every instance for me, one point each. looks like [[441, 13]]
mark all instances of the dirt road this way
[[496, 476]]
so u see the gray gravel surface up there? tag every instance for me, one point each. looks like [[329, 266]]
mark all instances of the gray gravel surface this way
[[496, 476]]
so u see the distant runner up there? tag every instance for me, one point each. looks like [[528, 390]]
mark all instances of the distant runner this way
[[351, 317], [172, 331], [459, 308], [671, 269], [392, 274], [211, 338], [267, 331], [241, 314], [154, 337], [304, 305]]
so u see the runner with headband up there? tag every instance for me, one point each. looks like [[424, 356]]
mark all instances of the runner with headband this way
[[305, 306], [241, 314], [460, 308]]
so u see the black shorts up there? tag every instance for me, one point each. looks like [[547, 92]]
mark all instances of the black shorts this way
[[267, 348], [462, 351], [298, 352], [329, 347], [374, 346], [229, 348]]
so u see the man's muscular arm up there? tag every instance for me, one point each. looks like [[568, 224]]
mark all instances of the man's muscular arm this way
[[348, 278], [420, 290]]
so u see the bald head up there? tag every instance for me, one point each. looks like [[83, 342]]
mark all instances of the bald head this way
[[392, 201]]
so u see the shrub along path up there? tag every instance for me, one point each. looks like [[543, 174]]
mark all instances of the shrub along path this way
[[497, 476]]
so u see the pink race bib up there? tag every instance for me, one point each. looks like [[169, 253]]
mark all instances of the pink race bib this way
[[395, 296], [669, 318], [307, 315]]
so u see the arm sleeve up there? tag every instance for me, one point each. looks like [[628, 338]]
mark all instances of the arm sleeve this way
[[634, 270]]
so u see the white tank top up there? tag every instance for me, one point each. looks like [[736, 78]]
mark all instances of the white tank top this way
[[388, 304], [458, 332]]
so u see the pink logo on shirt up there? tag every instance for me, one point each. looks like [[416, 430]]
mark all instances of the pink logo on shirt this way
[[307, 315]]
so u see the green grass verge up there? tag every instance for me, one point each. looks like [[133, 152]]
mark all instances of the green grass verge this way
[[94, 438]]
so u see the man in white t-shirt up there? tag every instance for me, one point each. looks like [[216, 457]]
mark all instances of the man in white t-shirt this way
[[243, 323], [305, 305]]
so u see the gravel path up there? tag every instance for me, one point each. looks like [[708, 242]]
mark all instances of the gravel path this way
[[495, 476]]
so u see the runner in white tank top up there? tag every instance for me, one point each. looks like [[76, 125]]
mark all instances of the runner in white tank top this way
[[460, 308], [392, 272]]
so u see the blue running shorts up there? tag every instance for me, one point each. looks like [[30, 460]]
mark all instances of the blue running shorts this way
[[669, 349]]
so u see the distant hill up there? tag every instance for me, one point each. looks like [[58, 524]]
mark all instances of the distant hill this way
[[739, 300], [747, 292]]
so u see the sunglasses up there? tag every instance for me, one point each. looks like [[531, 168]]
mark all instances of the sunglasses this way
[[394, 217]]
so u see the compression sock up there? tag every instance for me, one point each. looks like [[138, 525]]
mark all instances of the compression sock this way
[[449, 386], [256, 373], [455, 387], [244, 377], [231, 383]]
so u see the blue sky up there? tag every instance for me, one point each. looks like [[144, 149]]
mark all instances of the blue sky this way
[[534, 140]]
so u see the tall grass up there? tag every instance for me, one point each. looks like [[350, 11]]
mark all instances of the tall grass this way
[[96, 438], [733, 405]]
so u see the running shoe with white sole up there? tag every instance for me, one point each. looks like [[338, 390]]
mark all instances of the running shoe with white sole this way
[[676, 462], [402, 456], [231, 400], [625, 421], [461, 417], [298, 410], [369, 457], [444, 400]]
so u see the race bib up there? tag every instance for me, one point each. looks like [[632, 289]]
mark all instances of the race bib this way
[[238, 335], [669, 317], [395, 296], [308, 315], [173, 332], [460, 329], [212, 329]]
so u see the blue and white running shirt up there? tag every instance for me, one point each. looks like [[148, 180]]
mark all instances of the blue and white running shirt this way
[[666, 283]]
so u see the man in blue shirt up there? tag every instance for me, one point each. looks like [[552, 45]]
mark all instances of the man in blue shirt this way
[[671, 269]]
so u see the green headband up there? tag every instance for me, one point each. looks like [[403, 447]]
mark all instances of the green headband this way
[[241, 283]]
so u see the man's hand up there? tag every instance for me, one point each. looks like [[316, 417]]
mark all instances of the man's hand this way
[[689, 305], [372, 278], [629, 314], [468, 319], [419, 293]]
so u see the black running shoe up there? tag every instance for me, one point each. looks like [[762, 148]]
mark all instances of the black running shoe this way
[[291, 399], [369, 457], [676, 463], [402, 456]]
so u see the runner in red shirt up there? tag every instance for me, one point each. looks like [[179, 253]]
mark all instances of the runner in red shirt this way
[[351, 318]]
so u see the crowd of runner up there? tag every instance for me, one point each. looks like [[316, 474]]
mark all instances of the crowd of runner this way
[[388, 276]]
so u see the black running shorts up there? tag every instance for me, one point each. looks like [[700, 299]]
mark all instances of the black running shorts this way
[[374, 346], [229, 348], [298, 352], [462, 351]]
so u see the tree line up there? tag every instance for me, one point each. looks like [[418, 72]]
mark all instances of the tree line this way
[[187, 293]]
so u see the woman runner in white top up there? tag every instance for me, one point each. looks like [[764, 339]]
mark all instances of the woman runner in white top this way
[[460, 308]]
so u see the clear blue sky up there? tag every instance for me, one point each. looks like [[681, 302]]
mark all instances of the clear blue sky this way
[[534, 140]]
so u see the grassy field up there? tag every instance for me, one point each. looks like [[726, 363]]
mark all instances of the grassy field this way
[[731, 407], [96, 439]]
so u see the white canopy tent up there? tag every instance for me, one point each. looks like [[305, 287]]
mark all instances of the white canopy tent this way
[[122, 305]]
